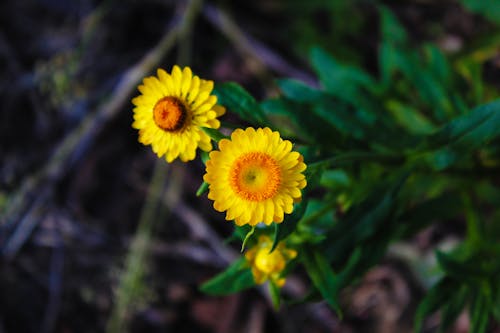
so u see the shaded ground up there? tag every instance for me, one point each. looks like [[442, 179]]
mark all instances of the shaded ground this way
[[68, 219]]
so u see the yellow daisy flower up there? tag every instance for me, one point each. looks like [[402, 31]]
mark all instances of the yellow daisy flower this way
[[255, 177], [170, 111], [269, 266]]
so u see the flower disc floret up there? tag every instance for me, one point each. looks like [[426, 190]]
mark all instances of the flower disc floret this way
[[255, 177], [171, 110]]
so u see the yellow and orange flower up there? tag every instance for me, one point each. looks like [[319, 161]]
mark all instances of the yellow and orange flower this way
[[269, 266], [170, 111], [255, 177]]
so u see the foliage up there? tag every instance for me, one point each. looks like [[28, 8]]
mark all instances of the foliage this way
[[387, 156]]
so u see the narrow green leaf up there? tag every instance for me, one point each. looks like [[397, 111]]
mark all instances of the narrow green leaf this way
[[488, 8], [214, 134], [424, 213], [298, 91], [410, 118], [480, 312], [285, 228], [238, 100], [391, 29], [467, 132], [439, 65], [339, 80], [307, 125], [202, 189], [247, 237], [235, 278], [436, 297], [322, 276], [366, 218], [452, 309]]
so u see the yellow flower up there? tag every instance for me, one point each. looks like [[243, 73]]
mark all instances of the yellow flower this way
[[170, 111], [269, 266], [255, 177]]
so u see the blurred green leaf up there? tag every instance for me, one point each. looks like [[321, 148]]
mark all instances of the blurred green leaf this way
[[299, 91], [339, 80], [467, 132], [454, 141], [452, 309], [235, 278], [285, 228], [322, 276], [429, 211], [393, 39], [335, 179], [364, 219], [487, 8], [436, 297], [410, 118], [480, 309], [309, 126], [238, 100], [214, 134], [202, 189]]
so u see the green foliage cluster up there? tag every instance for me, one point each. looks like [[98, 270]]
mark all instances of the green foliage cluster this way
[[387, 156]]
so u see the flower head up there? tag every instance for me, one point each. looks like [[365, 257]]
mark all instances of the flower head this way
[[255, 177], [269, 266], [170, 111]]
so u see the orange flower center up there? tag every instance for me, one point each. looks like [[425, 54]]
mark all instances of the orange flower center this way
[[169, 114], [255, 176]]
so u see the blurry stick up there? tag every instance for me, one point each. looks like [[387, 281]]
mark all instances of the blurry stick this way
[[257, 55], [132, 290], [81, 137]]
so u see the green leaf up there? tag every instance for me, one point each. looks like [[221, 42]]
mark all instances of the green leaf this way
[[435, 298], [238, 100], [322, 276], [335, 179], [461, 136], [298, 91], [394, 38], [452, 309], [285, 228], [202, 189], [424, 213], [488, 8], [235, 278], [339, 80], [410, 118], [480, 311], [308, 125], [456, 268], [391, 29], [214, 134], [438, 65], [247, 237], [365, 219], [467, 132]]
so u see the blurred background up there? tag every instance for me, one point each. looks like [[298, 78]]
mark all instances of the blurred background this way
[[74, 181]]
